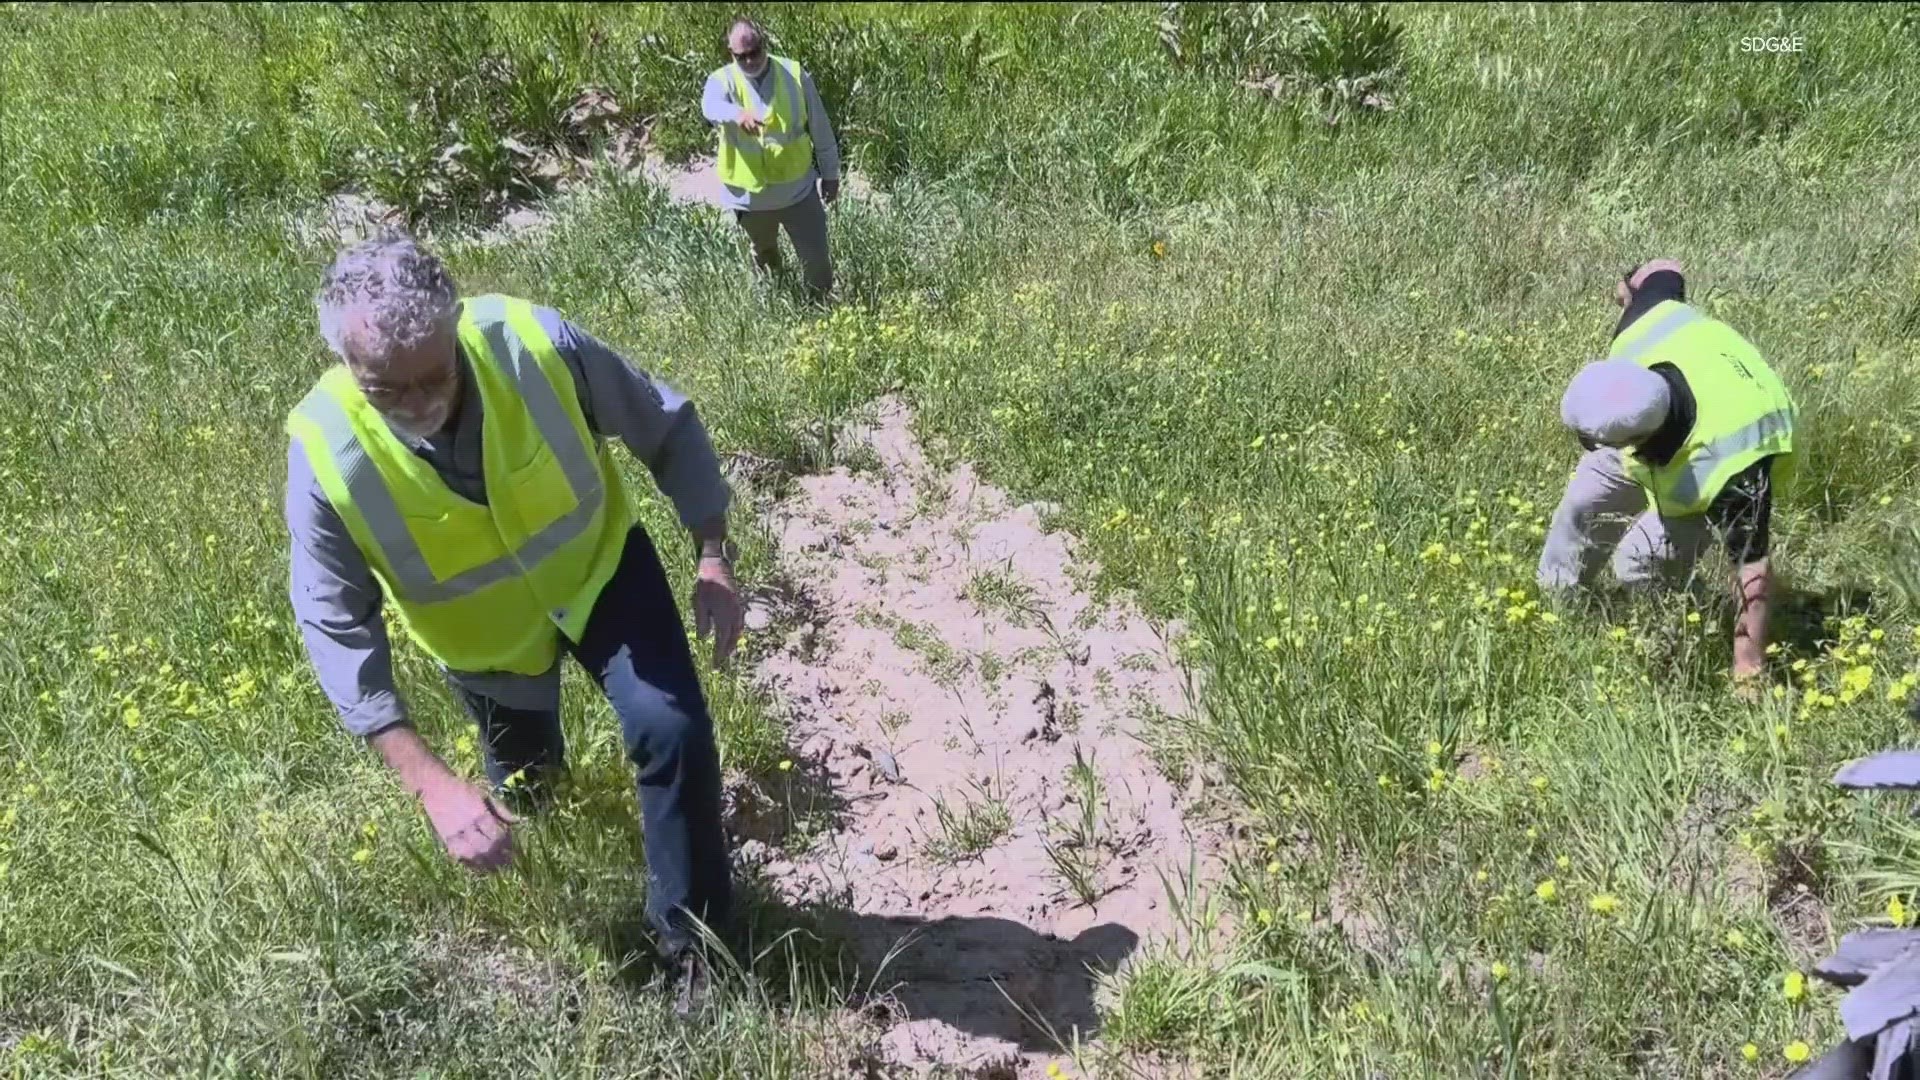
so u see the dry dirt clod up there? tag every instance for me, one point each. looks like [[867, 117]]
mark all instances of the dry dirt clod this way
[[882, 761], [1049, 717]]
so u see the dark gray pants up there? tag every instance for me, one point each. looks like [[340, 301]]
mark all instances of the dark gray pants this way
[[806, 225], [635, 647]]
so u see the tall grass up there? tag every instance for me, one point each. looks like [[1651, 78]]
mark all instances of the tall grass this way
[[1295, 380]]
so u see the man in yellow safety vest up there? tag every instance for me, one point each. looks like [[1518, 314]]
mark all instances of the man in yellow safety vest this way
[[776, 145], [1683, 413], [454, 466]]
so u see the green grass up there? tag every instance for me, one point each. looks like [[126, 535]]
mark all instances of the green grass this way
[[967, 827], [1076, 854], [1350, 352]]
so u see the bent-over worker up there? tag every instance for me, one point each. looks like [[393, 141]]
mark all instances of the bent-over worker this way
[[1688, 433], [455, 465]]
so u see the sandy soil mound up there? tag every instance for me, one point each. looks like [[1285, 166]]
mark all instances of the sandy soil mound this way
[[999, 831]]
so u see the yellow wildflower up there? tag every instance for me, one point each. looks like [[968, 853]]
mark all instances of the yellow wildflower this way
[[1797, 1051], [1547, 891], [1604, 904], [1794, 986], [1499, 970], [1750, 1052], [1736, 939], [1897, 911]]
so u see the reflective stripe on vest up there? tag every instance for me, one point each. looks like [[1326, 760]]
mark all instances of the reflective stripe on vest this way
[[1707, 459], [1689, 482], [1671, 323], [414, 580]]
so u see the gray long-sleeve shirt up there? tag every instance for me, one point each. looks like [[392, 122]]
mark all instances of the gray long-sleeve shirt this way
[[337, 599], [718, 105]]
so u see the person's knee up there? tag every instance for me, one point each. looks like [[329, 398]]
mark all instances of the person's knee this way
[[764, 246], [658, 725], [1638, 563]]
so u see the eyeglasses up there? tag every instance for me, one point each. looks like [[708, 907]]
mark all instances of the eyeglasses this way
[[754, 53], [379, 391]]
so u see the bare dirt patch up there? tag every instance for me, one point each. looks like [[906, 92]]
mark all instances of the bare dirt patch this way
[[597, 136], [1000, 833], [349, 216]]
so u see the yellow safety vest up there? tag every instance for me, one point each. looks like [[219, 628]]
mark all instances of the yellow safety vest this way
[[783, 151], [1743, 410], [481, 588]]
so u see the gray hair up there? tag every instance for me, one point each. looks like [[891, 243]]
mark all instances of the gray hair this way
[[755, 34], [402, 293]]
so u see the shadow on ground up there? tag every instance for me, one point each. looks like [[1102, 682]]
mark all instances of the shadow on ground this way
[[988, 977], [1799, 617]]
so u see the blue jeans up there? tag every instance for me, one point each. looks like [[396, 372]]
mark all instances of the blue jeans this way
[[635, 647]]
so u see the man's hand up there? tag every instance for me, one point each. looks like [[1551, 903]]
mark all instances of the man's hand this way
[[716, 606], [749, 123], [475, 829], [829, 190]]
